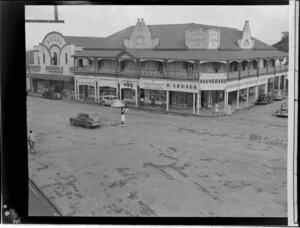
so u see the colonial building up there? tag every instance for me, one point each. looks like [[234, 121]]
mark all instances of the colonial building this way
[[187, 66]]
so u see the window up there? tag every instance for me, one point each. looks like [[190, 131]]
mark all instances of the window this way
[[244, 64], [233, 67], [265, 63], [254, 64], [173, 85], [44, 58], [99, 64], [54, 59], [273, 62], [90, 62], [216, 67], [187, 86], [80, 62], [123, 65], [177, 85], [38, 59], [182, 86], [66, 56]]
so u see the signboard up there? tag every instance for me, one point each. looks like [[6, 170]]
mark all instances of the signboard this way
[[262, 80], [86, 82], [249, 82], [188, 87], [196, 38], [212, 81], [153, 84], [54, 39], [130, 84], [232, 86], [213, 38]]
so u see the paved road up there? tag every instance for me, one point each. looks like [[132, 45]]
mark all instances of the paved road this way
[[160, 165]]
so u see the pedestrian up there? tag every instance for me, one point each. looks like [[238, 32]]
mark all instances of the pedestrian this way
[[31, 141], [217, 109], [142, 101], [123, 111]]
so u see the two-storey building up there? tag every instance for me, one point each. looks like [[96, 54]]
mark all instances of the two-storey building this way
[[187, 66]]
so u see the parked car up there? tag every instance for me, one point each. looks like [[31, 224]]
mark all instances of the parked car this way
[[264, 99], [276, 95], [48, 94], [283, 110], [108, 99], [88, 120]]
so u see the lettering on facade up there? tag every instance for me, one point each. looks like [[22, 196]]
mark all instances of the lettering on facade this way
[[202, 38], [184, 87], [54, 39], [212, 81]]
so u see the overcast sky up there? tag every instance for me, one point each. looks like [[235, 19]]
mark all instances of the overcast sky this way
[[266, 22]]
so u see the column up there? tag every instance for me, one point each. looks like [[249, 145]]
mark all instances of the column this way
[[75, 89], [279, 79], [136, 96], [284, 83], [256, 92], [198, 102], [194, 109], [266, 87], [98, 95], [225, 100], [166, 68], [95, 91], [78, 92], [167, 106], [239, 70], [247, 96], [237, 99]]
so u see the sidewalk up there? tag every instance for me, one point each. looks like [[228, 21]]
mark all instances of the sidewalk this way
[[203, 112]]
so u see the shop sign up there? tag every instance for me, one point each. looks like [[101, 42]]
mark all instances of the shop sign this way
[[128, 84], [246, 83], [187, 87], [262, 80], [232, 86], [153, 84], [211, 81], [54, 39], [86, 82]]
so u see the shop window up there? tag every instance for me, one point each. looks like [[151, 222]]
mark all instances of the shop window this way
[[44, 61], [66, 58]]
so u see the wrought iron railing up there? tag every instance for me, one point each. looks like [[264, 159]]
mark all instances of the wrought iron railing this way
[[54, 68]]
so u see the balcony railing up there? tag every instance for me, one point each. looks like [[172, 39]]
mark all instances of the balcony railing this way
[[244, 73], [107, 70], [35, 67], [182, 75], [233, 75], [54, 68], [151, 72], [71, 69], [85, 69], [253, 72], [128, 72], [271, 70], [262, 71]]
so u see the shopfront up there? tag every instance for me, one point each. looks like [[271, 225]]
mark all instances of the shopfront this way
[[153, 91], [212, 87], [129, 88]]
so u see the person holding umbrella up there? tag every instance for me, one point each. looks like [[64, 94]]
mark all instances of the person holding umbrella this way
[[123, 111]]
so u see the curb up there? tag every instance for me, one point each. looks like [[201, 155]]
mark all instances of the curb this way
[[30, 181]]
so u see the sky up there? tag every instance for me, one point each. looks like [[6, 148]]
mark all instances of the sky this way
[[266, 22]]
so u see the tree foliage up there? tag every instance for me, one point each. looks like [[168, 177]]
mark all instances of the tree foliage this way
[[283, 44]]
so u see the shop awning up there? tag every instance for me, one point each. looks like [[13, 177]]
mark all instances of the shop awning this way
[[53, 77]]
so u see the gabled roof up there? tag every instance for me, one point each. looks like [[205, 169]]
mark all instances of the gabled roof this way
[[94, 42]]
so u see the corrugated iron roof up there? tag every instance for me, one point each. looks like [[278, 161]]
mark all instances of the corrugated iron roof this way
[[171, 36], [53, 77]]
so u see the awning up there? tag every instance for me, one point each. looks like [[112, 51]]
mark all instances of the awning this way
[[51, 77]]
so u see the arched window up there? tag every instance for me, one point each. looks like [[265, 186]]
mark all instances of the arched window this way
[[80, 63], [66, 58], [244, 64], [44, 61], [54, 59], [254, 64], [272, 62], [265, 63], [233, 66]]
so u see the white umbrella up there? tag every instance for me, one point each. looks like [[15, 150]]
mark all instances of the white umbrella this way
[[117, 104]]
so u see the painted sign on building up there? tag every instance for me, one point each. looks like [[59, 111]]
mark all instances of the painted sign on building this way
[[153, 84], [262, 80], [188, 87], [213, 81], [248, 82], [129, 84], [54, 39]]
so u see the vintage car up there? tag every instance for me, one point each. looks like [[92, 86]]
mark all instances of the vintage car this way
[[88, 120], [276, 95], [264, 99], [108, 99], [283, 110], [48, 94]]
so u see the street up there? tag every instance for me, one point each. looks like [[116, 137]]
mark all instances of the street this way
[[160, 164]]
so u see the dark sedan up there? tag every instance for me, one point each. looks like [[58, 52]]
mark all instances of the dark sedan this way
[[88, 120], [48, 94], [264, 99]]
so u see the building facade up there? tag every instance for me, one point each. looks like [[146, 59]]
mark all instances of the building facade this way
[[180, 66]]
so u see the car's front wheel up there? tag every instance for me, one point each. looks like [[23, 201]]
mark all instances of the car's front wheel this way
[[71, 122], [103, 103]]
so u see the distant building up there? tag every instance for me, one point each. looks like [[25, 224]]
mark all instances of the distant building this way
[[174, 65]]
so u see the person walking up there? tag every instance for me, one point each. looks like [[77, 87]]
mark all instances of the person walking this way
[[217, 109], [31, 141], [123, 111]]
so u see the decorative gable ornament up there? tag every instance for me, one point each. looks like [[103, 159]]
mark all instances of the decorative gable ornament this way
[[246, 42], [202, 38], [141, 37]]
